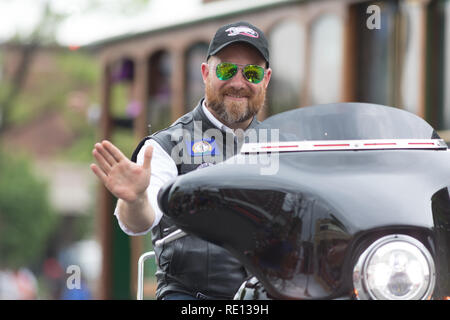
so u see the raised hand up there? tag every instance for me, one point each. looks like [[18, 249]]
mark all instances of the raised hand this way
[[122, 177]]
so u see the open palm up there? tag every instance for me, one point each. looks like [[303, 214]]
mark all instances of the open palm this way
[[122, 177]]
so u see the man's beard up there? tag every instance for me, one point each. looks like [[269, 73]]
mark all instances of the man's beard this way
[[232, 112]]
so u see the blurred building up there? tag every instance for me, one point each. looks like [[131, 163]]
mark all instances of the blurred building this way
[[321, 52]]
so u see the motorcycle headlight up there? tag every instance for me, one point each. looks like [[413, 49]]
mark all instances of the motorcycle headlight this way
[[395, 267]]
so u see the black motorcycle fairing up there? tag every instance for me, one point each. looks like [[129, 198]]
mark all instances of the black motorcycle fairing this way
[[296, 232], [300, 229], [440, 204]]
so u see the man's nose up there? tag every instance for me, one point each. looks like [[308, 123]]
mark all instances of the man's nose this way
[[238, 81]]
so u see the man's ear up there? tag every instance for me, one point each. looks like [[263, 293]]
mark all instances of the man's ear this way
[[267, 77], [205, 71]]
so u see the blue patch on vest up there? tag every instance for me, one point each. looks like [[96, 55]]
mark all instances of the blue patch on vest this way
[[202, 147]]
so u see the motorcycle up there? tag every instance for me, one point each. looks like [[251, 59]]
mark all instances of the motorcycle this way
[[353, 203]]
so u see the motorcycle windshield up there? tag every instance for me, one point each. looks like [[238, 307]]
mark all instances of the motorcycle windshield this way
[[349, 121]]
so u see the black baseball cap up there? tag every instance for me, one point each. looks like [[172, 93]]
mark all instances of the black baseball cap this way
[[239, 32]]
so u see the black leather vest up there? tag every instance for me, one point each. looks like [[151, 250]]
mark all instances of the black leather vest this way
[[189, 264]]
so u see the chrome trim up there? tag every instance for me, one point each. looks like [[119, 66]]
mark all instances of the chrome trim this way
[[170, 237], [140, 284], [336, 145]]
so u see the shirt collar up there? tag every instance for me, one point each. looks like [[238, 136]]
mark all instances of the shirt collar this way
[[214, 120]]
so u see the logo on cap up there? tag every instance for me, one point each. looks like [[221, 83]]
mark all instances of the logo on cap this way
[[243, 30]]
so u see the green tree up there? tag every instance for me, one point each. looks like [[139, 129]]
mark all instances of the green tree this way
[[26, 216], [44, 33]]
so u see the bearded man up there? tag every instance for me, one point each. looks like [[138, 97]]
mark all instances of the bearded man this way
[[236, 75]]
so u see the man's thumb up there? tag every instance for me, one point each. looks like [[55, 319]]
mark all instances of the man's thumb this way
[[147, 157]]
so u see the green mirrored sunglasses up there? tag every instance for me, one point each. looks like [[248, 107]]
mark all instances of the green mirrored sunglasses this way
[[227, 70]]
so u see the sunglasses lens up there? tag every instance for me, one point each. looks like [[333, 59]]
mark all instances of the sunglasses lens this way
[[254, 73], [225, 71]]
